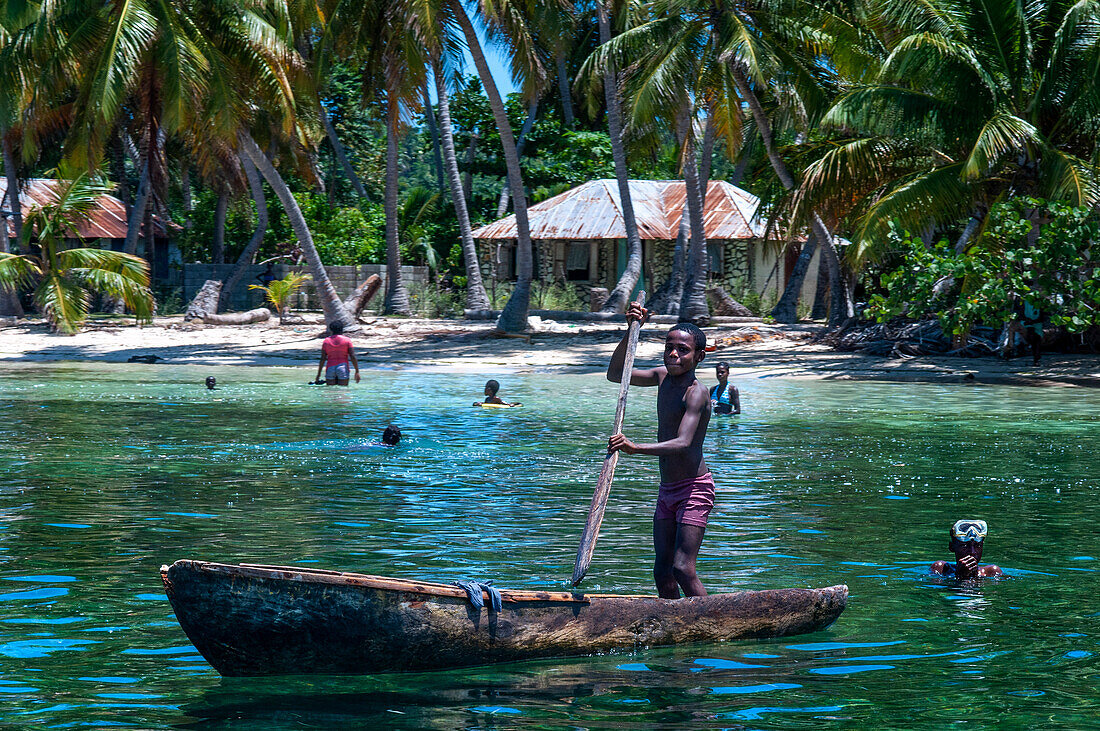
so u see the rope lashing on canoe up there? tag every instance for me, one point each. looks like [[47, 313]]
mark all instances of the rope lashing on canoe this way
[[473, 591]]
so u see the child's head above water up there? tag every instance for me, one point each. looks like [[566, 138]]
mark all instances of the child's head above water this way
[[211, 382], [391, 435], [491, 388]]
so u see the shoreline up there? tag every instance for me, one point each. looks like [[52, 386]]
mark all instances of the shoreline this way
[[753, 350]]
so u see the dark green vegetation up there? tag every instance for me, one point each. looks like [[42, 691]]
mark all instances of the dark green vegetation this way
[[380, 143], [108, 473]]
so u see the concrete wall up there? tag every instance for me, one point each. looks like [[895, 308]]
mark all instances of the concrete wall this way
[[344, 278]]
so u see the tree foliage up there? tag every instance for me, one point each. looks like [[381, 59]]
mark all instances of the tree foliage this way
[[1040, 254]]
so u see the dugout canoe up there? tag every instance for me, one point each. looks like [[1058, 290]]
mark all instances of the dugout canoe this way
[[251, 619]]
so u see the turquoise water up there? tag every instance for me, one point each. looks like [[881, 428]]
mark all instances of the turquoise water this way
[[107, 472]]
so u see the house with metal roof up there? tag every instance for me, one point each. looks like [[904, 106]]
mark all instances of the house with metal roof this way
[[107, 223], [579, 237]]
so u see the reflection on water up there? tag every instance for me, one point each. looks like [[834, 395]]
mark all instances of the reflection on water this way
[[106, 472]]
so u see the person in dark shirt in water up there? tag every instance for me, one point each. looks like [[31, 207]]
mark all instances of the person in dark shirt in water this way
[[724, 398], [967, 541]]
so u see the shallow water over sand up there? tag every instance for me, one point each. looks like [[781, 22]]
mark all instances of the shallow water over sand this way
[[106, 472]]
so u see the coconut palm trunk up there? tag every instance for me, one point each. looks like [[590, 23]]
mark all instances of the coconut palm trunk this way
[[341, 153], [330, 302], [564, 90], [842, 308], [693, 305], [9, 298], [397, 296], [188, 201], [137, 211], [617, 299], [476, 297], [11, 175], [514, 316], [528, 123], [786, 309], [256, 187], [221, 209], [429, 117]]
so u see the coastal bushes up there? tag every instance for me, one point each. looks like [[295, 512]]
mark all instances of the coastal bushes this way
[[1035, 256]]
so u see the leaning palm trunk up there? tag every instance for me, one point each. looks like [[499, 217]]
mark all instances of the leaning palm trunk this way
[[12, 177], [514, 316], [437, 154], [693, 305], [341, 153], [666, 300], [9, 298], [564, 91], [842, 302], [217, 255], [330, 301], [397, 297], [616, 301], [532, 115], [476, 298], [249, 254], [786, 309], [137, 211]]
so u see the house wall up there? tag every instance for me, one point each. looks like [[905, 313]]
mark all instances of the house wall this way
[[744, 265]]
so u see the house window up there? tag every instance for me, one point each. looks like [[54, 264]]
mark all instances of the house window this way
[[576, 262]]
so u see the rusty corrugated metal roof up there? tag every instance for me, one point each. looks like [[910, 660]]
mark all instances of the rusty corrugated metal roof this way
[[108, 221], [594, 211]]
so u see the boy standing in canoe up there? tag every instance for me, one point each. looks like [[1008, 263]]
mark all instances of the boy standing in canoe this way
[[686, 495]]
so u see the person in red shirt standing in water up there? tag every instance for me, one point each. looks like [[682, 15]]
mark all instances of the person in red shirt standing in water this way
[[335, 352]]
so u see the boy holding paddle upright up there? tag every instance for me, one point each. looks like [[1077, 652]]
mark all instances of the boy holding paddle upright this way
[[686, 495]]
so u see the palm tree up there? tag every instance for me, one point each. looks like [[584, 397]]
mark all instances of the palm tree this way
[[63, 279], [972, 101], [506, 19], [476, 297], [279, 291], [673, 60], [617, 299]]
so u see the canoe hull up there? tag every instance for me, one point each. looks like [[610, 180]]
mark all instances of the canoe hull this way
[[249, 621]]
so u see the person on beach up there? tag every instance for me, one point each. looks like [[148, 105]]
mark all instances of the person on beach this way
[[336, 351], [391, 435], [491, 388], [686, 493], [967, 541], [724, 398], [211, 383]]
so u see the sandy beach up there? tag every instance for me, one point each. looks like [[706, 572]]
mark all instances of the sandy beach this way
[[753, 350]]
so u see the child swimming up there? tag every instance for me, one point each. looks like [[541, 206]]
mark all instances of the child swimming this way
[[491, 398]]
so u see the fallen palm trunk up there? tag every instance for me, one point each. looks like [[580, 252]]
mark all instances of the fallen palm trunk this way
[[362, 295], [273, 620], [260, 314], [205, 301]]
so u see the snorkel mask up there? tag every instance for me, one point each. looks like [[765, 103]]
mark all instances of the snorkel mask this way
[[965, 531]]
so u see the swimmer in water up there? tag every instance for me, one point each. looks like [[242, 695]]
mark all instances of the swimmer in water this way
[[967, 541], [724, 398], [211, 382], [491, 388], [391, 436]]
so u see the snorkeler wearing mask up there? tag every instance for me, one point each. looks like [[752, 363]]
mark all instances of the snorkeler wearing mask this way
[[967, 541]]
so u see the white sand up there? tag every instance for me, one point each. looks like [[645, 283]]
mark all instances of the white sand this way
[[448, 345]]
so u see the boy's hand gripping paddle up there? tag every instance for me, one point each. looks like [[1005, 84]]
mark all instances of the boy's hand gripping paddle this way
[[607, 474]]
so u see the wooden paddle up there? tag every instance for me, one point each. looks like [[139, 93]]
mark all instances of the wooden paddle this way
[[607, 474]]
